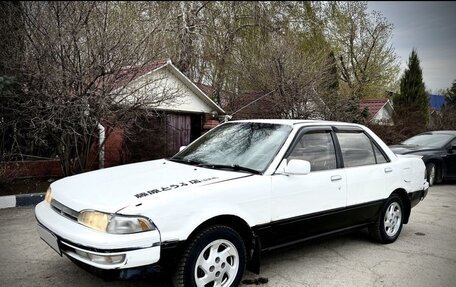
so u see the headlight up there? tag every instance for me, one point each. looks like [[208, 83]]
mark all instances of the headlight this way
[[125, 225], [48, 196], [116, 224], [93, 219]]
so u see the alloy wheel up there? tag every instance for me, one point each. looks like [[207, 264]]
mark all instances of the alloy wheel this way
[[393, 219], [217, 265]]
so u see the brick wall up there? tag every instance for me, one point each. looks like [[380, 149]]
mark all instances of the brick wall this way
[[35, 168]]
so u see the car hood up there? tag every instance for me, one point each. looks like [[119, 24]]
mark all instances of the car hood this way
[[410, 149], [112, 189]]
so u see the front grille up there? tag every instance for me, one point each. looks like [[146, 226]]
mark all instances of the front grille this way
[[64, 211]]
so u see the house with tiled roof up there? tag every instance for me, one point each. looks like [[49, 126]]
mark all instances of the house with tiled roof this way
[[380, 110], [167, 88], [181, 111]]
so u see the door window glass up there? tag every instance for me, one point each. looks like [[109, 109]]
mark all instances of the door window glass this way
[[378, 155], [318, 149], [356, 149]]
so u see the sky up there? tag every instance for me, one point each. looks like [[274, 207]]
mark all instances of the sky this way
[[430, 28]]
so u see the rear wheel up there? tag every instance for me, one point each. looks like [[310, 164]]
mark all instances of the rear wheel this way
[[215, 257], [388, 225]]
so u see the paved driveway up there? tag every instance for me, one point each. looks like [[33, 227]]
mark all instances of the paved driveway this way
[[424, 255]]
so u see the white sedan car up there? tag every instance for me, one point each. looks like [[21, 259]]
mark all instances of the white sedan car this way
[[243, 188]]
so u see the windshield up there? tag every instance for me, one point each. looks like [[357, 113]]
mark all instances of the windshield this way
[[242, 145], [431, 140]]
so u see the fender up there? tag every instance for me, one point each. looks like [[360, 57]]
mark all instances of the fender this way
[[253, 247], [189, 224], [178, 214]]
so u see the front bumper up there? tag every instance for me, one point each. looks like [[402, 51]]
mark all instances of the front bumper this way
[[98, 249]]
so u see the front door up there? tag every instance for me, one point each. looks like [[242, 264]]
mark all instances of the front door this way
[[304, 205], [450, 160]]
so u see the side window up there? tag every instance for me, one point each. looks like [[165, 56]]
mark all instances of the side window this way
[[451, 145], [317, 148], [356, 149], [378, 155]]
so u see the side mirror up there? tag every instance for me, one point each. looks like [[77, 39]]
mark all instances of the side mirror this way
[[452, 148], [297, 167], [182, 148]]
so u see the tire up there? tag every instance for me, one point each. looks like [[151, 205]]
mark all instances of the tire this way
[[431, 171], [215, 255], [438, 174], [388, 226]]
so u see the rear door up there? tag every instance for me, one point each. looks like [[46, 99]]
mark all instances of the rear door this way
[[367, 169]]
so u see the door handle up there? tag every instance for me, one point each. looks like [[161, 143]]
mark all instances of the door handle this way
[[388, 169], [336, 177]]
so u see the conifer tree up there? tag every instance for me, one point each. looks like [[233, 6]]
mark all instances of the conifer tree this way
[[412, 100], [450, 96], [330, 94]]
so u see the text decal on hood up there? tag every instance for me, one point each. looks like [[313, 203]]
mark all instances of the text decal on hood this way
[[172, 186]]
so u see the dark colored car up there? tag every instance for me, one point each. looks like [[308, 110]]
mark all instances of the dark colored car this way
[[438, 149]]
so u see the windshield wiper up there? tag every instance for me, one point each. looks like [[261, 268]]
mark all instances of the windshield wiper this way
[[234, 167], [185, 161]]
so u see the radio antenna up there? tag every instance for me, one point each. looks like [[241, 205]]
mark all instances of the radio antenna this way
[[229, 117]]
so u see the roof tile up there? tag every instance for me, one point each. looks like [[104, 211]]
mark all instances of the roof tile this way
[[372, 105]]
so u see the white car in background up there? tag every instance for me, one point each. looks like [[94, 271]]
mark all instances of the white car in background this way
[[243, 188]]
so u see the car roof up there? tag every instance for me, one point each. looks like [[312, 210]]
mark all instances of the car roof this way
[[294, 122]]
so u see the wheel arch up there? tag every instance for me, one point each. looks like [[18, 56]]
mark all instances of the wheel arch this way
[[251, 242], [232, 221], [440, 166], [406, 201]]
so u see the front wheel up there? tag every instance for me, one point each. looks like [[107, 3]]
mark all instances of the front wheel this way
[[431, 173], [388, 225], [215, 257]]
